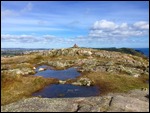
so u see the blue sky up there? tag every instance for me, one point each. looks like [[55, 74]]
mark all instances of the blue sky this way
[[56, 24]]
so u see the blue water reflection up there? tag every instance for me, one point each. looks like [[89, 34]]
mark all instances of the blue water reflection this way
[[69, 73], [67, 91]]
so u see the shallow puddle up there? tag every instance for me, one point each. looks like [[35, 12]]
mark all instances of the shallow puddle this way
[[69, 73], [67, 90], [64, 90]]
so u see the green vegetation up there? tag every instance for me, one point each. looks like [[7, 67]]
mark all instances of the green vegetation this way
[[16, 87], [116, 82]]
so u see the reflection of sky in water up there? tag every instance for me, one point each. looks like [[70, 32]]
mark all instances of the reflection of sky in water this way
[[64, 90], [59, 74], [67, 90]]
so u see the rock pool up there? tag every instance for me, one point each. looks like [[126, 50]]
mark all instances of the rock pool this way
[[67, 90], [69, 73], [63, 90]]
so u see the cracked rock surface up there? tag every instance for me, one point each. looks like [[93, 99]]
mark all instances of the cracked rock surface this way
[[133, 101]]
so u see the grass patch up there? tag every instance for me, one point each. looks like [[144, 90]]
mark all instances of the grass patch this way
[[116, 82], [13, 89]]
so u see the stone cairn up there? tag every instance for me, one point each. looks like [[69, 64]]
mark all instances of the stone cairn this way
[[75, 46]]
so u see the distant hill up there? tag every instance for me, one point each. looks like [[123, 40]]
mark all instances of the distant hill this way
[[124, 50], [17, 51]]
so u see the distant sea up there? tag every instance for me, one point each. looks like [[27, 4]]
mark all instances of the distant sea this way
[[144, 50]]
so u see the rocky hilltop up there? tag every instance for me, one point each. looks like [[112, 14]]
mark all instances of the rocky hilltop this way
[[112, 71], [97, 60], [88, 60]]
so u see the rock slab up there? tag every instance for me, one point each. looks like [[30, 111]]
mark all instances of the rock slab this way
[[131, 102]]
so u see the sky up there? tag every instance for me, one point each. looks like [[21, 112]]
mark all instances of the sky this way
[[61, 24]]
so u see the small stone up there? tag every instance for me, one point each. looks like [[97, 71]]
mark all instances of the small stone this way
[[144, 89], [62, 82], [136, 75], [34, 68]]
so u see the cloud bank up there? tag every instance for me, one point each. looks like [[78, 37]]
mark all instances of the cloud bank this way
[[109, 29], [103, 31]]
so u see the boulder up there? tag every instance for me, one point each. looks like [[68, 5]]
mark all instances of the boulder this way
[[19, 72], [136, 75], [109, 63], [86, 53], [83, 82]]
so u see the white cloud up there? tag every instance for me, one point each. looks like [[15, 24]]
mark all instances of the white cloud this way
[[33, 39], [124, 26], [49, 38], [19, 38], [104, 24], [108, 29], [45, 39], [119, 33], [142, 25]]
